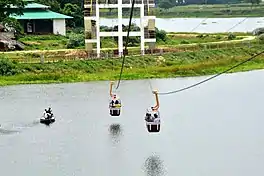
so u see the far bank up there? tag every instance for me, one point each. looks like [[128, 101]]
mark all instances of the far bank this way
[[182, 64]]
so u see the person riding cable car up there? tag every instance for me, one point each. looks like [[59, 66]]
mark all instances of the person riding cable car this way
[[115, 103], [152, 116]]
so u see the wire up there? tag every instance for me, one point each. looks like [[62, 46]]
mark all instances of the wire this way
[[199, 24], [149, 82], [236, 24], [194, 85], [127, 39]]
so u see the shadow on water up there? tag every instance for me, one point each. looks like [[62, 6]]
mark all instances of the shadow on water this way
[[154, 166], [17, 128], [115, 132]]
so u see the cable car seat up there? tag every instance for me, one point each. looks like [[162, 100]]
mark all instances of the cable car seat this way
[[152, 119], [115, 107]]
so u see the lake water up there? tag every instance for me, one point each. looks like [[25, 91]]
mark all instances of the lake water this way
[[210, 25], [214, 129]]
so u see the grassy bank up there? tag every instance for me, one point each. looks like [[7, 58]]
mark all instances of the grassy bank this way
[[212, 11], [54, 42], [175, 42], [200, 11], [168, 65]]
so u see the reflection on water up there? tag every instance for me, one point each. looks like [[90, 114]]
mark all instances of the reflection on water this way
[[154, 166], [6, 131], [16, 128], [115, 132], [28, 125]]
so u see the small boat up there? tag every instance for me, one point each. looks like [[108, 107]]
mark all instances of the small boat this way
[[45, 120]]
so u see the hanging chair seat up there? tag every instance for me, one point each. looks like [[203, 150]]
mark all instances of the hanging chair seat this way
[[152, 119], [115, 107]]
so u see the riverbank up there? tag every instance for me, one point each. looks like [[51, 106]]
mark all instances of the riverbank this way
[[166, 66], [212, 11], [198, 11], [53, 49]]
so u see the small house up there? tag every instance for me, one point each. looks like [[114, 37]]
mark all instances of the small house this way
[[39, 19]]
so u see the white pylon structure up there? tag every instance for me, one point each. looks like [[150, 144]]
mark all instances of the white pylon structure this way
[[92, 24]]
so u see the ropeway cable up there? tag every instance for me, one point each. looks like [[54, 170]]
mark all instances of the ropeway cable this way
[[127, 40], [212, 77]]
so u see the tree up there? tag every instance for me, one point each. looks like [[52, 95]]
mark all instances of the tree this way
[[166, 4], [64, 2], [54, 5], [72, 8], [75, 11], [6, 10], [253, 2]]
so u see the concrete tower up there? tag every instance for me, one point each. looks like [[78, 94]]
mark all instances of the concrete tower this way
[[92, 23]]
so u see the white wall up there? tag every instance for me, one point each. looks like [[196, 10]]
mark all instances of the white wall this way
[[59, 26]]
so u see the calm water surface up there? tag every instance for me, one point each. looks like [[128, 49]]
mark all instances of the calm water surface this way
[[201, 25], [215, 129]]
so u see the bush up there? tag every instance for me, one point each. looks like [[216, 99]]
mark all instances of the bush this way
[[185, 42], [261, 38], [75, 40], [42, 37], [78, 30], [258, 31], [231, 36], [14, 26], [161, 35], [7, 68]]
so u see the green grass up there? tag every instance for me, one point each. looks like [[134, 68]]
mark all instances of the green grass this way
[[175, 43], [53, 42], [201, 11], [169, 65], [44, 42], [185, 38]]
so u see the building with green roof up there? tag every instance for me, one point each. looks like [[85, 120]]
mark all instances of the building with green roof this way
[[38, 19]]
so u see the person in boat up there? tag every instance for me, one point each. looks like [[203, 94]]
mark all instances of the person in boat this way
[[48, 113], [114, 99], [45, 113]]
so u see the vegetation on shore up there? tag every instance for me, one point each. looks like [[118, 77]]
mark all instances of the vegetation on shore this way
[[211, 11], [75, 40], [53, 48], [138, 67], [196, 11]]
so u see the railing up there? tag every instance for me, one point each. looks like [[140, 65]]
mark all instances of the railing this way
[[149, 34], [126, 1], [151, 2], [88, 2], [107, 1], [148, 11], [91, 34], [88, 12]]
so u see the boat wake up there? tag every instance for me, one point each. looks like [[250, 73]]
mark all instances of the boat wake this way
[[17, 128]]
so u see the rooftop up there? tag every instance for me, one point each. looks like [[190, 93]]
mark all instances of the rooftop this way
[[44, 14]]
